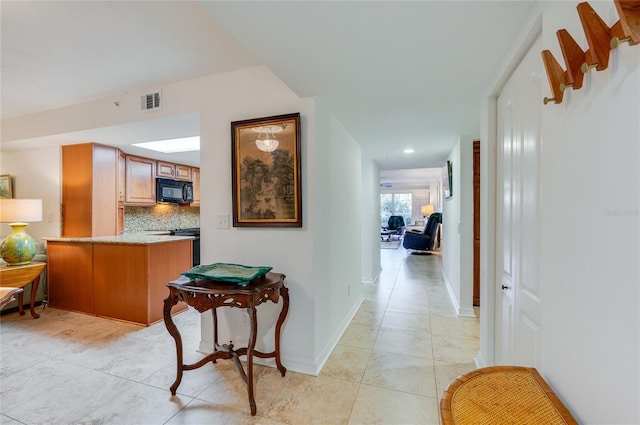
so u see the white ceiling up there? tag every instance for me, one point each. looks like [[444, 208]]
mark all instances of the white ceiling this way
[[397, 74]]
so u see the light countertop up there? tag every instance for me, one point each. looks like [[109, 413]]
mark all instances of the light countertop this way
[[144, 238]]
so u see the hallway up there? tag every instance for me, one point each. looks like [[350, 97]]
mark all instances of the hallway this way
[[402, 348]]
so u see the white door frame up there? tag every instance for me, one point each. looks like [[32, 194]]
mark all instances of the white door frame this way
[[488, 166]]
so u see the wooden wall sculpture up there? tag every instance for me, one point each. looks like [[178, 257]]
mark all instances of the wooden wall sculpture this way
[[601, 40]]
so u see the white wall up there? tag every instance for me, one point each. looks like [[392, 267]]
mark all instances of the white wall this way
[[590, 230], [36, 174], [457, 229], [371, 266], [338, 206]]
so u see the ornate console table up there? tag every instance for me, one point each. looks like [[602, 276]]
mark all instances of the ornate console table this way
[[206, 295]]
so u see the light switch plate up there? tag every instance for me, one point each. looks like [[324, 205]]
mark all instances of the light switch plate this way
[[223, 221]]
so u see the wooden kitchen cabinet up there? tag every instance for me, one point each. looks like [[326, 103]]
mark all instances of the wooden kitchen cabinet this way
[[122, 179], [122, 190], [89, 190], [183, 172], [166, 170], [140, 181], [173, 171], [195, 175]]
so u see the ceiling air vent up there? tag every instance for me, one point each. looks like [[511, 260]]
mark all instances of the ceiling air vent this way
[[151, 101]]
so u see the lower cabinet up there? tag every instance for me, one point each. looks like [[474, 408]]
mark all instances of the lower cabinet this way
[[115, 280]]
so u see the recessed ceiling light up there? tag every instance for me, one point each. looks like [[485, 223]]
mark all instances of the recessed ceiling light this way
[[185, 144], [409, 150]]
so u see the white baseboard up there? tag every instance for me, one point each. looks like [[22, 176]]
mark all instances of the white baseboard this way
[[479, 360], [294, 364], [460, 311], [452, 295], [323, 356], [369, 280]]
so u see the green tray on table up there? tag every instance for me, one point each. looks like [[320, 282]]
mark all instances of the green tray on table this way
[[226, 272]]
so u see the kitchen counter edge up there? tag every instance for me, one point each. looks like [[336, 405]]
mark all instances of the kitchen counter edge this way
[[129, 239]]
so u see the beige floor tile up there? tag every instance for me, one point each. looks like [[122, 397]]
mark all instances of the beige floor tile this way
[[68, 393], [369, 313], [230, 389], [359, 335], [406, 321], [193, 381], [6, 420], [376, 293], [347, 363], [140, 405], [455, 349], [402, 373], [455, 326], [314, 400], [386, 407], [408, 342], [413, 306], [446, 372], [202, 412]]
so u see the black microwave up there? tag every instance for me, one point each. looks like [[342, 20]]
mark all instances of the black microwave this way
[[174, 191]]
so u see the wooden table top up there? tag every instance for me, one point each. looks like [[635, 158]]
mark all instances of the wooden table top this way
[[20, 276]]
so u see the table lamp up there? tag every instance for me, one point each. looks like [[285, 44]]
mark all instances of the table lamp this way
[[19, 248], [427, 210]]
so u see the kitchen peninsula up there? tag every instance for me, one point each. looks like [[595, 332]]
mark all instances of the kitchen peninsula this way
[[121, 277]]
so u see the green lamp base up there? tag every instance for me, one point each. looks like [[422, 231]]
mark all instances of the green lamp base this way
[[18, 248]]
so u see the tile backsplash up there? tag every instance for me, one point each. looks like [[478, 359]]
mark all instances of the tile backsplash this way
[[160, 217]]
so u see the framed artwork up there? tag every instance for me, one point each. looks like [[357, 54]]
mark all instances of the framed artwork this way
[[6, 186], [447, 180], [266, 180]]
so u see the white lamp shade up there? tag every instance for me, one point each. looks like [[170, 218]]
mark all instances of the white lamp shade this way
[[20, 210]]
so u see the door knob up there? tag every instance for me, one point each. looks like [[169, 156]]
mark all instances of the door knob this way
[[505, 287]]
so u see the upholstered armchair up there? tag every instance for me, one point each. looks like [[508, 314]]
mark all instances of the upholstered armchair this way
[[395, 226], [424, 240]]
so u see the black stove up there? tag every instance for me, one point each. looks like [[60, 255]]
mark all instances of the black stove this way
[[192, 231]]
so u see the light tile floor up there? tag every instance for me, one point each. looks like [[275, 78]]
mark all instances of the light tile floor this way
[[402, 348]]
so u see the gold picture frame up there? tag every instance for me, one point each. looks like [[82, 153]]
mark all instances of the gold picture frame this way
[[266, 180], [6, 186]]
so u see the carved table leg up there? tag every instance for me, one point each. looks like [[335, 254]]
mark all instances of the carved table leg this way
[[284, 293], [214, 314], [252, 343], [20, 301], [169, 302], [32, 301]]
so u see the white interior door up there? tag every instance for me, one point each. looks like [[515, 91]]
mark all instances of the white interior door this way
[[518, 304]]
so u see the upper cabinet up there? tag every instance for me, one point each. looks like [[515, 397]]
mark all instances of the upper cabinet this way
[[89, 190], [140, 180], [166, 170], [183, 172], [122, 170], [195, 175], [173, 171]]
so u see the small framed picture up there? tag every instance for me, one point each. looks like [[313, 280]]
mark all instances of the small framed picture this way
[[447, 180], [6, 186], [266, 181]]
